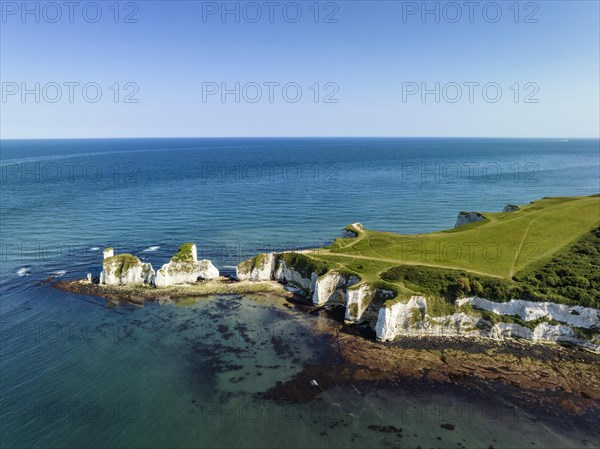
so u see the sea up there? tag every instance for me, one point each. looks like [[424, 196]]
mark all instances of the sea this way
[[78, 371]]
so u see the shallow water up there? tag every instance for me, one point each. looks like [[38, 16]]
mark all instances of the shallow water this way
[[191, 373]]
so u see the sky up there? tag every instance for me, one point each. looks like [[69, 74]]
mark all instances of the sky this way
[[305, 68]]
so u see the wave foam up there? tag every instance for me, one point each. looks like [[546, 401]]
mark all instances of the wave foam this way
[[24, 271]]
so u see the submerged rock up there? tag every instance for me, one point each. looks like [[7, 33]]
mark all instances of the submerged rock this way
[[124, 269], [185, 268]]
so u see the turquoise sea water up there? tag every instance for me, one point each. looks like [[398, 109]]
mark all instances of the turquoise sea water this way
[[77, 373]]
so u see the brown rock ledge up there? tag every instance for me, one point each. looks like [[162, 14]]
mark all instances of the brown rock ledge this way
[[549, 377], [138, 294]]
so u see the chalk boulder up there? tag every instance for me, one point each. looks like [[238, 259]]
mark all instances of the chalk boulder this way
[[124, 269], [185, 268]]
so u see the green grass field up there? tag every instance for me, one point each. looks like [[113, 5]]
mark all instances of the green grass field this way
[[508, 254]]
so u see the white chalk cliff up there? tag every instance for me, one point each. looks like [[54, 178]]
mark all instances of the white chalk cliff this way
[[273, 266], [394, 317], [124, 269], [357, 299], [294, 279], [261, 268], [330, 287], [185, 268], [578, 316], [399, 320]]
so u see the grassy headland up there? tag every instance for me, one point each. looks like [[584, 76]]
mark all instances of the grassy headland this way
[[549, 250]]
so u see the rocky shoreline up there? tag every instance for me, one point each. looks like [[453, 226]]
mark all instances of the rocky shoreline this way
[[125, 278], [393, 316], [553, 379], [535, 375], [139, 293]]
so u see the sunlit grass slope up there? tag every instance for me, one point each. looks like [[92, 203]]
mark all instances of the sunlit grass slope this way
[[495, 250]]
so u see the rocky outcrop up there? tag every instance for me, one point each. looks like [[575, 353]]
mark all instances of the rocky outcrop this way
[[578, 316], [357, 299], [511, 208], [395, 318], [331, 287], [457, 324], [185, 268], [374, 304], [301, 274], [543, 332], [411, 319], [468, 217], [509, 330], [550, 332], [124, 269], [296, 271], [352, 230], [297, 280], [260, 268]]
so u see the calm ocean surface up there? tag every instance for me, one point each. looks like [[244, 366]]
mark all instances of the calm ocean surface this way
[[76, 373]]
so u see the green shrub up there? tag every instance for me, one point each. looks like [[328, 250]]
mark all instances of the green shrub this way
[[476, 287], [184, 253], [304, 264], [449, 284], [463, 287], [415, 316], [571, 276], [121, 263]]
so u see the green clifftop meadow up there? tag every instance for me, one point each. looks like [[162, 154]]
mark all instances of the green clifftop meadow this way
[[548, 250]]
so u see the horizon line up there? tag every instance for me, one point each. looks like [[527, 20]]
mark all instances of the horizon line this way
[[300, 137]]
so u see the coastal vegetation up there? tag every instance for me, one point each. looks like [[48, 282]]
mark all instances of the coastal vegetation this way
[[120, 263], [572, 275], [185, 253], [548, 250], [305, 265]]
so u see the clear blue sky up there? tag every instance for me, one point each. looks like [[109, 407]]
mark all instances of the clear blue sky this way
[[369, 53]]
